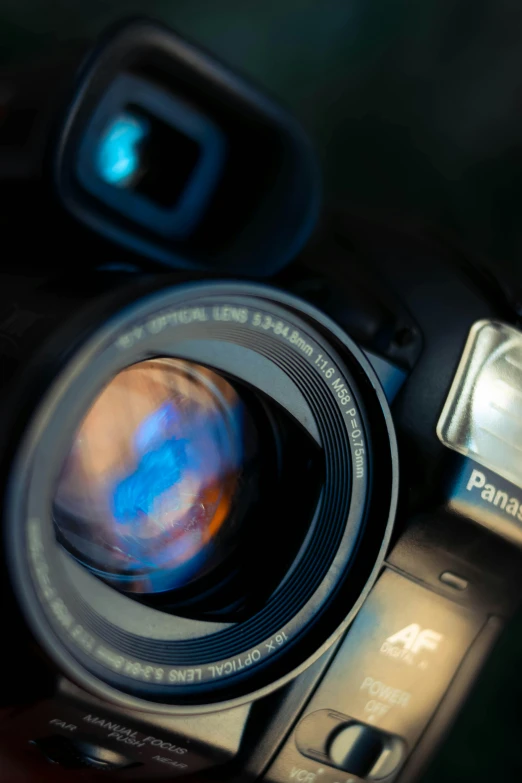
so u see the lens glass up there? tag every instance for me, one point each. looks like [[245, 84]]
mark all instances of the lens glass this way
[[147, 495]]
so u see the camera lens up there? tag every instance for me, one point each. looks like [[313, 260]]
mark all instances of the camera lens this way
[[146, 495], [202, 494]]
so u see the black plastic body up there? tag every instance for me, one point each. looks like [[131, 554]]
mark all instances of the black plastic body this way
[[428, 540], [409, 303]]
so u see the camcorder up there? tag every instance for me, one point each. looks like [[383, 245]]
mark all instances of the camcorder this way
[[261, 486]]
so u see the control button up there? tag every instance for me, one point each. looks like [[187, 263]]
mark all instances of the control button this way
[[80, 755], [335, 739], [357, 749], [452, 580]]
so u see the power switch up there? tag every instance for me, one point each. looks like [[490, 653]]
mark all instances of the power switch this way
[[356, 749], [365, 752], [338, 740]]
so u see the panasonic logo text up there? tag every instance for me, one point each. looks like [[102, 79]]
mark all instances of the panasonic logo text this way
[[496, 497]]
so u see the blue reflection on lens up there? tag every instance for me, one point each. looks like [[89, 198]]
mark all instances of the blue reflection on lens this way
[[152, 430], [118, 157], [162, 460]]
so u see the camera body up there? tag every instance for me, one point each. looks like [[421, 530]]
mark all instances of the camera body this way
[[383, 560]]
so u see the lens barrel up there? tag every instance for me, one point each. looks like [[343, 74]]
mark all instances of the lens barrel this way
[[314, 537]]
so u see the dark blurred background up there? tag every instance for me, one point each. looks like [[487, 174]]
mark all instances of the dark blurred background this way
[[416, 109]]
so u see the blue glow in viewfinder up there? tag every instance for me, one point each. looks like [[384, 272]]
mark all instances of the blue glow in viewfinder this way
[[118, 158]]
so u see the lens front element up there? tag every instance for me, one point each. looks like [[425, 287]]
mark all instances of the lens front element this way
[[145, 495]]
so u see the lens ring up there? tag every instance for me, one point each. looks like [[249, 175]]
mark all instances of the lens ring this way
[[335, 511], [297, 358]]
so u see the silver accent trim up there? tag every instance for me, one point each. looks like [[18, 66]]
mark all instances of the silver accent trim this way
[[482, 417]]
